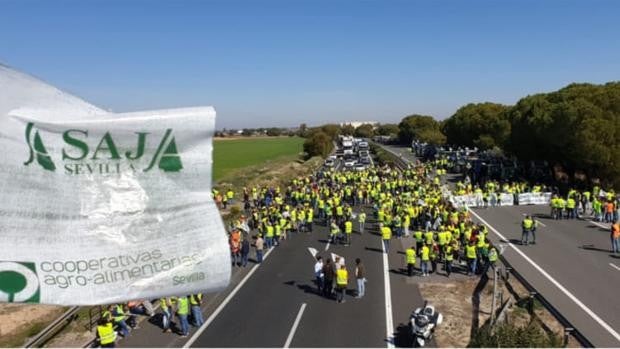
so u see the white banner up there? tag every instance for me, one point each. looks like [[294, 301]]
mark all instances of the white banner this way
[[110, 207], [506, 199], [534, 198]]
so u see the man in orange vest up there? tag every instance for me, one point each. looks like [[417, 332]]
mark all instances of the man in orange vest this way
[[615, 237]]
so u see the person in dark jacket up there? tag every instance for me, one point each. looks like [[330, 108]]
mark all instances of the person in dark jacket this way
[[245, 251], [328, 272]]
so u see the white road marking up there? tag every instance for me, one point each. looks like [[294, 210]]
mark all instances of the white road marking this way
[[327, 245], [541, 223], [224, 303], [615, 266], [389, 322], [553, 281], [289, 339], [600, 225]]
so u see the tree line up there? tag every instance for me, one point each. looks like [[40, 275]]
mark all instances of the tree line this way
[[577, 127]]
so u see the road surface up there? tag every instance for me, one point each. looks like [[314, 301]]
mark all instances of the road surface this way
[[570, 265]]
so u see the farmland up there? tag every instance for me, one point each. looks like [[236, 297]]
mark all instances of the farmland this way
[[234, 154]]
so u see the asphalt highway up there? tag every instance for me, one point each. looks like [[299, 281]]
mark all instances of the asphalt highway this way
[[571, 264], [275, 304]]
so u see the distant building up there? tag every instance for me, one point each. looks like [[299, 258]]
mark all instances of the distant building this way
[[357, 124]]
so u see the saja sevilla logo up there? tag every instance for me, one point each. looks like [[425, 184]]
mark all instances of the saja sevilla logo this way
[[79, 157]]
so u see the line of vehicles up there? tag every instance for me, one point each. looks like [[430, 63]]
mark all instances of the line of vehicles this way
[[353, 152]]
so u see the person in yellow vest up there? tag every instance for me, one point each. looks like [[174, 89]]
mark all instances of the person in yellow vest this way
[[309, 219], [448, 258], [342, 280], [182, 313], [470, 254], [386, 235], [334, 231], [166, 318], [361, 219], [106, 334], [527, 227], [195, 301], [118, 315], [493, 255], [425, 257], [269, 234], [410, 260], [348, 230]]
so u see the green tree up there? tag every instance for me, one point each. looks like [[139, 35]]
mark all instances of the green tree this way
[[318, 144], [303, 131], [274, 131], [364, 131], [482, 125], [421, 127], [332, 130], [577, 126], [347, 130], [387, 130]]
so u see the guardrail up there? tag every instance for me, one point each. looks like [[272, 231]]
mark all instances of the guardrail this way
[[52, 329], [569, 329]]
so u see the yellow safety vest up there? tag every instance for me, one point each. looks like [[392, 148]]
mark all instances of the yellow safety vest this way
[[386, 233], [410, 253], [471, 251], [195, 299], [106, 333], [183, 306], [348, 227], [425, 253], [342, 277]]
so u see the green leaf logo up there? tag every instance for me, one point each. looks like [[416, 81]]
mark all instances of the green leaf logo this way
[[169, 159], [37, 149], [19, 282]]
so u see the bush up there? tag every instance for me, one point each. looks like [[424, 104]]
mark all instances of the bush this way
[[510, 336]]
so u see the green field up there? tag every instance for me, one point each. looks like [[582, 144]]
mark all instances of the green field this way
[[230, 155]]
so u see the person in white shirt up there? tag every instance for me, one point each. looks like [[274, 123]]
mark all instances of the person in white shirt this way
[[318, 273]]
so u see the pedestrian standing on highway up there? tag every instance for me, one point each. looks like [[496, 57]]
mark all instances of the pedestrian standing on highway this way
[[386, 235], [615, 237], [182, 313], [319, 275], [342, 280], [410, 260], [259, 245], [166, 315], [245, 251], [195, 301], [105, 333], [470, 254], [448, 258], [328, 274], [526, 225], [425, 253], [361, 219], [348, 230], [360, 277]]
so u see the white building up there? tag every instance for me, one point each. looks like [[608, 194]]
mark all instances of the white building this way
[[357, 124]]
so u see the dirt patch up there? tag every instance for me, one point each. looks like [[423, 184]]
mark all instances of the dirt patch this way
[[20, 321]]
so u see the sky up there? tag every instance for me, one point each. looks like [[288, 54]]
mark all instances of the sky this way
[[287, 62]]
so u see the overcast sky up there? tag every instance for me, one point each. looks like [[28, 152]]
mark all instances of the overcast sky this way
[[281, 63]]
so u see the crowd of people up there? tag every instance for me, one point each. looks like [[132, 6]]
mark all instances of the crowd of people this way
[[412, 202]]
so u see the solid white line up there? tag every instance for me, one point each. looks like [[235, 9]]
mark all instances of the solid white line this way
[[289, 339], [541, 223], [389, 322], [224, 303], [328, 242], [600, 225], [553, 281], [615, 266]]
